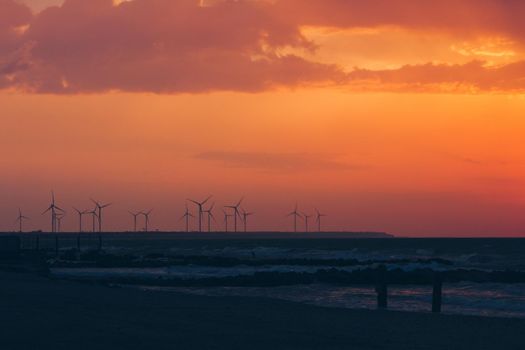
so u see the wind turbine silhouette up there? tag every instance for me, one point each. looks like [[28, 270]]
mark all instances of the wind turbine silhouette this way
[[199, 205], [94, 216], [295, 215], [20, 219], [318, 219], [53, 208], [134, 220], [210, 216], [100, 207], [80, 214], [226, 216], [306, 217], [187, 216], [59, 218], [146, 218], [245, 218], [235, 212]]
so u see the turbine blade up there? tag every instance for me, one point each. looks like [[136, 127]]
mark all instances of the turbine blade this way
[[48, 209], [207, 199]]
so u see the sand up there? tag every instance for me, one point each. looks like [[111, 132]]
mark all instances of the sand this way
[[39, 313]]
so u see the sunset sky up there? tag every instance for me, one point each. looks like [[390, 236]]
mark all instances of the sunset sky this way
[[405, 116]]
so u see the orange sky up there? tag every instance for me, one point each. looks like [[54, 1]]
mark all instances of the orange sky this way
[[401, 116]]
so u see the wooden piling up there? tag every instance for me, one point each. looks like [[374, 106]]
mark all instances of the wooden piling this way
[[437, 292], [382, 288]]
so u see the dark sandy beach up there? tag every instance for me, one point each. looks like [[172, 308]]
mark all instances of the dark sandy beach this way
[[39, 313]]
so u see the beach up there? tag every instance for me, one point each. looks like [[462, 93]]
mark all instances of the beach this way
[[39, 313]]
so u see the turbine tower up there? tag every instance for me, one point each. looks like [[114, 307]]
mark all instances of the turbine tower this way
[[236, 212], [318, 219], [295, 215], [199, 205], [134, 220], [20, 219], [53, 208], [210, 216], [245, 218], [100, 207], [80, 215]]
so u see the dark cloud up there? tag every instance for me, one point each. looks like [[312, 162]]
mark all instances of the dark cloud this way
[[474, 76], [284, 162]]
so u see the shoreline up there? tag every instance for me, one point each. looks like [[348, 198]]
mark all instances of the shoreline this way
[[38, 312]]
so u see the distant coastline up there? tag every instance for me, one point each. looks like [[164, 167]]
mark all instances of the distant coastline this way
[[224, 235]]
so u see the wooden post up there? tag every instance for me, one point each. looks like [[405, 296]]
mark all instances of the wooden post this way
[[56, 246], [382, 288], [437, 292]]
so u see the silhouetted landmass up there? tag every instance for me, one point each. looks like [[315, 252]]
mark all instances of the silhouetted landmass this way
[[226, 235]]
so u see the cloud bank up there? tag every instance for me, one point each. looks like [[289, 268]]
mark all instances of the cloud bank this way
[[166, 46]]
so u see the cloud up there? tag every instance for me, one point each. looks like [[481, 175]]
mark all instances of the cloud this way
[[283, 162], [166, 46], [458, 16], [471, 77]]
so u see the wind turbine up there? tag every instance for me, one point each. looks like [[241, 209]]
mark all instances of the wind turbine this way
[[134, 220], [59, 218], [100, 207], [318, 219], [94, 216], [295, 215], [245, 217], [226, 216], [235, 212], [53, 208], [187, 216], [199, 205], [80, 214], [210, 216], [146, 218], [306, 217], [20, 219]]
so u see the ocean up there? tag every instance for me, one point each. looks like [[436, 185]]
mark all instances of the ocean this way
[[482, 276]]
